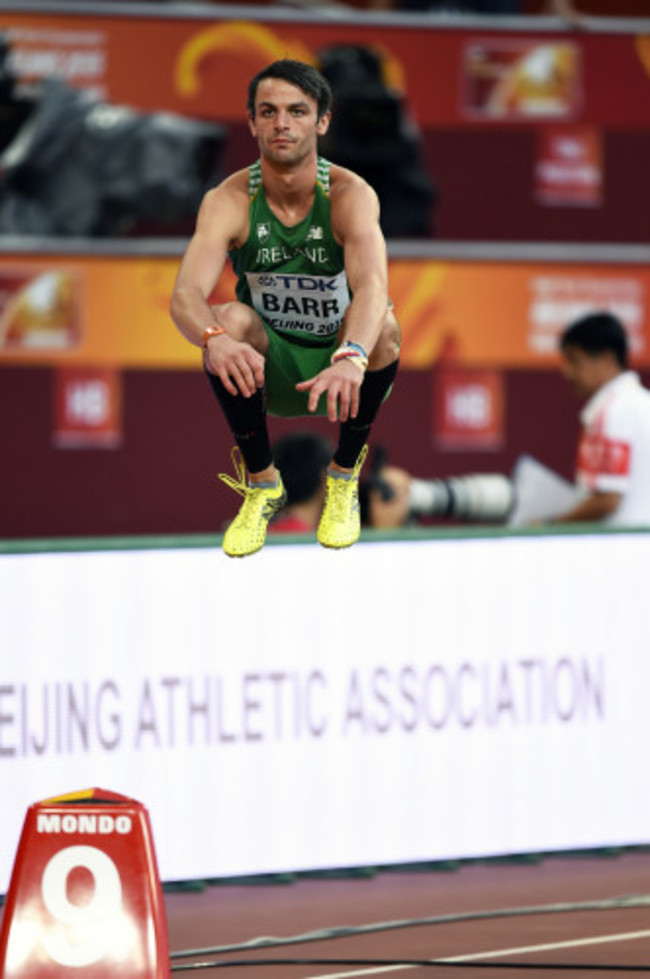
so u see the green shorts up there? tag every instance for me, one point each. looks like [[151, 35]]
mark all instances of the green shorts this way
[[287, 363]]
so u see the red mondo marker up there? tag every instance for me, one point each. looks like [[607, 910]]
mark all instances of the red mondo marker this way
[[85, 896]]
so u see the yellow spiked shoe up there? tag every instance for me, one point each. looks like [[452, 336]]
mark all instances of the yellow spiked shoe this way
[[247, 532], [340, 522]]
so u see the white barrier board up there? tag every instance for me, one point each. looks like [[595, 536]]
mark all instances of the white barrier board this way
[[305, 709]]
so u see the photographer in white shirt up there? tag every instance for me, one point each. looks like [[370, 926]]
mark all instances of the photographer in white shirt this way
[[613, 464]]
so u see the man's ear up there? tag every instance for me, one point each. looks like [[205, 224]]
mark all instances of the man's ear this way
[[323, 123], [251, 125]]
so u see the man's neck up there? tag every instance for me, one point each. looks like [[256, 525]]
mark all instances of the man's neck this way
[[610, 373], [289, 185]]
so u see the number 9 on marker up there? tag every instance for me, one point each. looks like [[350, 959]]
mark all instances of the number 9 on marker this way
[[85, 894]]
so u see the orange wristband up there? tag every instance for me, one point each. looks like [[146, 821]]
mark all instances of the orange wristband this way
[[212, 331]]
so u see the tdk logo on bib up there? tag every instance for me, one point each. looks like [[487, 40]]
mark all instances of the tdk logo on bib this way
[[304, 304], [317, 283]]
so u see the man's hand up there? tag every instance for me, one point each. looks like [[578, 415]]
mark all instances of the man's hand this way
[[341, 383], [238, 365]]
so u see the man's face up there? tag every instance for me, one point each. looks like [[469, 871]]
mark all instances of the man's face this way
[[586, 372], [285, 124]]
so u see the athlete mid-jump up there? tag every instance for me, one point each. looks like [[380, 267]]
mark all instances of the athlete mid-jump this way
[[312, 330]]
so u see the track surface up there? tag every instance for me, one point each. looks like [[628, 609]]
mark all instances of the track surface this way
[[224, 914]]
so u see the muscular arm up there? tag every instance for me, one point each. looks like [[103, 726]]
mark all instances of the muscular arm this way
[[355, 222], [222, 222], [219, 222]]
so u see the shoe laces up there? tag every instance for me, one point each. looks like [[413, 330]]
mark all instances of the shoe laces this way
[[340, 488], [254, 499], [239, 485]]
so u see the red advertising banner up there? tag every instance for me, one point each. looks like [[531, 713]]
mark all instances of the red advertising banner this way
[[569, 168], [468, 409], [450, 77], [87, 408]]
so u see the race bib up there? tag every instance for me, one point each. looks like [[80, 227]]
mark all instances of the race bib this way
[[307, 305]]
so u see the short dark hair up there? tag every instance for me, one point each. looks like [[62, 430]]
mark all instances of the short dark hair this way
[[302, 459], [598, 333], [303, 76]]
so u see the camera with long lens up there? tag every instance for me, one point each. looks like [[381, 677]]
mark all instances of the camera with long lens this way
[[487, 497]]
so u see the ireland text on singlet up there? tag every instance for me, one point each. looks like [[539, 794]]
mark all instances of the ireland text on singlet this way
[[293, 277]]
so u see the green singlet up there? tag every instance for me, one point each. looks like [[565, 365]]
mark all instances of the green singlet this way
[[294, 278]]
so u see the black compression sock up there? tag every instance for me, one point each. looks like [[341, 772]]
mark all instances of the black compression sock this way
[[246, 419], [354, 432]]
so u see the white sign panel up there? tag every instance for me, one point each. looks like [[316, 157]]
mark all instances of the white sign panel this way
[[306, 709]]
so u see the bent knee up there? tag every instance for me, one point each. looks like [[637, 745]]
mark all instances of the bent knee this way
[[386, 349], [241, 322]]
